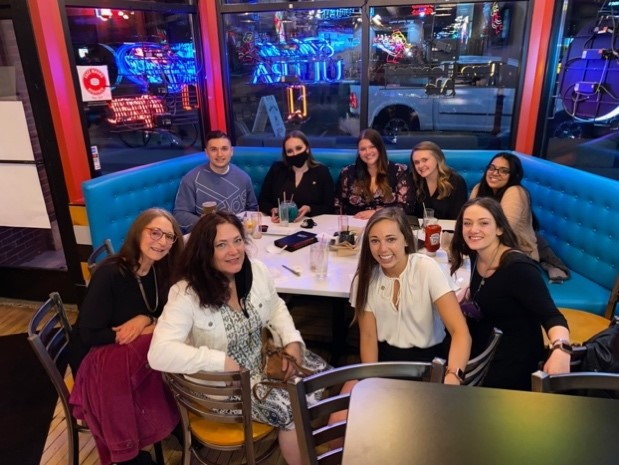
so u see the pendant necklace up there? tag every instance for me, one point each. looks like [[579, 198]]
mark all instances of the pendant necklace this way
[[148, 307], [483, 278]]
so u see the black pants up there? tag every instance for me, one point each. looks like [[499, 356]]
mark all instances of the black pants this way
[[389, 353]]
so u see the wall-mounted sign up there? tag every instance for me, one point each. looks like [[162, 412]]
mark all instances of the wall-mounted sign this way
[[94, 83]]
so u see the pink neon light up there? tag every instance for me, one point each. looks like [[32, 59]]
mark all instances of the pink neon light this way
[[135, 109]]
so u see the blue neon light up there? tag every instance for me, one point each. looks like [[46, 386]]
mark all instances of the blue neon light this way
[[309, 60], [150, 63]]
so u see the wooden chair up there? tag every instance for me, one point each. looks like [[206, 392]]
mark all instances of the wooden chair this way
[[215, 410], [583, 324], [477, 368], [49, 333], [310, 420], [543, 382], [103, 250]]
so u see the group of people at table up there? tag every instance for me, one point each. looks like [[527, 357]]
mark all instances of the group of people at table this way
[[161, 304]]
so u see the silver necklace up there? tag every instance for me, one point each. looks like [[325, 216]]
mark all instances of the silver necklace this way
[[483, 278], [148, 307]]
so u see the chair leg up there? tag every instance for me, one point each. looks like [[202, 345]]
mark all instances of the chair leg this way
[[74, 445], [159, 453]]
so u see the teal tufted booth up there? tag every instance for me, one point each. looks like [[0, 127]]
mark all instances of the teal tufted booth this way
[[578, 212]]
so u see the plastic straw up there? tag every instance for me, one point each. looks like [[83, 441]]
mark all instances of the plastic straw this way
[[291, 197]]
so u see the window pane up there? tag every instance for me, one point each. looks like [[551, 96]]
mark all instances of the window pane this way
[[448, 68], [137, 72], [292, 70], [582, 124]]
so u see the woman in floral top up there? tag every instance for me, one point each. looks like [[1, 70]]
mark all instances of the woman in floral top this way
[[372, 182]]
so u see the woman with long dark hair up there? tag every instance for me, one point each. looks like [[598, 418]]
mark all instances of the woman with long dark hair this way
[[215, 315], [122, 399], [403, 301], [502, 181], [299, 176], [510, 294], [372, 182], [437, 186]]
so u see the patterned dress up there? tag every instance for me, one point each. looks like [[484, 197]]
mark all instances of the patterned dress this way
[[244, 346], [350, 199]]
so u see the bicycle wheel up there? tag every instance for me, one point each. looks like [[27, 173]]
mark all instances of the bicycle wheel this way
[[136, 138], [183, 135]]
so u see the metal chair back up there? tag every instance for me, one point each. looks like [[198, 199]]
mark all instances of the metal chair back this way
[[310, 419]]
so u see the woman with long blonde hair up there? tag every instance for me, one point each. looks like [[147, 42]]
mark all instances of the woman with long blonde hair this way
[[437, 185]]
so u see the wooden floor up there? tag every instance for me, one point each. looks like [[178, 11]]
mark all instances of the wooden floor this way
[[313, 322]]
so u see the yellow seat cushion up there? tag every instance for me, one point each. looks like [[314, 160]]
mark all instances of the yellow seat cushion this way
[[582, 324], [224, 434]]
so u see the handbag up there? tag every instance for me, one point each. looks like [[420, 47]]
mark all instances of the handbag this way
[[271, 366]]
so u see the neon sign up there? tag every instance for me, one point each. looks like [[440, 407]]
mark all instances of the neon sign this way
[[338, 13], [422, 10], [150, 63], [307, 60], [316, 71], [142, 109]]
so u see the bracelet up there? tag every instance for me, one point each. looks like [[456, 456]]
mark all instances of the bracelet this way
[[563, 345], [458, 373]]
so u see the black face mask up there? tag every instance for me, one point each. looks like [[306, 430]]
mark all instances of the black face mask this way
[[298, 159]]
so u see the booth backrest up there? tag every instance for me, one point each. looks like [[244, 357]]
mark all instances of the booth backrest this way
[[578, 212], [114, 200]]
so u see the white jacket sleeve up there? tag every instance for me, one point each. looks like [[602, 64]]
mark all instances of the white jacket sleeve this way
[[278, 317], [169, 350]]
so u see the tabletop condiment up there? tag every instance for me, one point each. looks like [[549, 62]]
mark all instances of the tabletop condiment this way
[[433, 236]]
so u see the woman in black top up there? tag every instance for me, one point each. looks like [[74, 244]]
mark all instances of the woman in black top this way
[[508, 289], [437, 185], [372, 182], [298, 176], [122, 399]]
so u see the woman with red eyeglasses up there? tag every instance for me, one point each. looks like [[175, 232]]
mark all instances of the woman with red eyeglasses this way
[[123, 401], [502, 181]]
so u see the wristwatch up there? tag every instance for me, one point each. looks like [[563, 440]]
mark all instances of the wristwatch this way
[[458, 373], [562, 345]]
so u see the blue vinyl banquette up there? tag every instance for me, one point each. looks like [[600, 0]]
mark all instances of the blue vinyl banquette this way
[[578, 212]]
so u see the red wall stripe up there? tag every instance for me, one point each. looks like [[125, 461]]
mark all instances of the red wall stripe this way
[[54, 58]]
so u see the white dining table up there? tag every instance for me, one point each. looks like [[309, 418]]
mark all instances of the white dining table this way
[[341, 269]]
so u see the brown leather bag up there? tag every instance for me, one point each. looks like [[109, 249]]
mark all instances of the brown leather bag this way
[[272, 358]]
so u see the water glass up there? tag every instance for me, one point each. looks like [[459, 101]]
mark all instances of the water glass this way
[[319, 259], [249, 223], [446, 238], [342, 223], [256, 218], [284, 214], [428, 213]]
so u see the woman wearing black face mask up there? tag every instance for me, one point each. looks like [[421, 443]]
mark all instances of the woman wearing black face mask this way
[[298, 175]]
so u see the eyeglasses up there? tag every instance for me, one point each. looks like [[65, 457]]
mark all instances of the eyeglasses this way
[[502, 171], [156, 234]]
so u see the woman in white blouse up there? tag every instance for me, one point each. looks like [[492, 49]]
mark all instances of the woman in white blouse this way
[[403, 300]]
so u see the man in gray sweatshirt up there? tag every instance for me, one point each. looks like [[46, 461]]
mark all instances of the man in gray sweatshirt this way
[[218, 180]]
